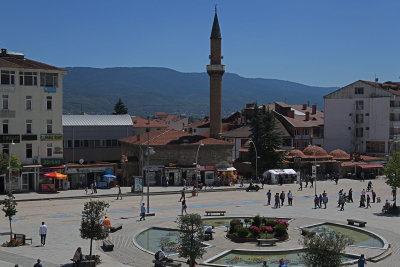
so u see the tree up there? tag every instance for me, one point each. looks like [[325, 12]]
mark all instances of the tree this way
[[392, 172], [120, 108], [92, 224], [9, 209], [4, 162], [191, 235], [324, 249], [267, 139]]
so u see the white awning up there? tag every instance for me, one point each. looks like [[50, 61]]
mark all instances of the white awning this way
[[230, 169], [281, 171]]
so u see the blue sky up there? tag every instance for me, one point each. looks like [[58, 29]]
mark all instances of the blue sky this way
[[324, 43]]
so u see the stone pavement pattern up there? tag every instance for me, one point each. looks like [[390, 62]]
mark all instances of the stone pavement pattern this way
[[63, 220]]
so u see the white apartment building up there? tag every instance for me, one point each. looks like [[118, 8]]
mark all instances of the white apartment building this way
[[363, 117], [30, 118]]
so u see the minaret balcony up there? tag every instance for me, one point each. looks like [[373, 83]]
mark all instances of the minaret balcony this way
[[216, 68]]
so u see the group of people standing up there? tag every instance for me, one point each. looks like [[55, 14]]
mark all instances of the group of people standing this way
[[321, 199], [280, 198]]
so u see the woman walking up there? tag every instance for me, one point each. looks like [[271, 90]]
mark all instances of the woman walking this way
[[184, 207]]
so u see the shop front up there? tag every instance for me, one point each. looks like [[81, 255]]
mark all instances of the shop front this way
[[226, 176], [207, 174], [81, 176]]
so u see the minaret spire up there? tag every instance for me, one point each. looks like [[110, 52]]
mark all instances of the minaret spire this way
[[215, 70]]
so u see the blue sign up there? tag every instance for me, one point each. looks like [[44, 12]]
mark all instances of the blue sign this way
[[50, 89]]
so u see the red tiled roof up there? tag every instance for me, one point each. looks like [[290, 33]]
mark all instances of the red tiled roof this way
[[339, 154], [171, 137], [13, 62], [369, 158], [368, 166], [161, 114], [139, 122]]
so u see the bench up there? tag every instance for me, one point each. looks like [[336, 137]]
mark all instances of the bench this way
[[85, 263], [116, 227], [352, 222], [108, 245], [220, 212], [307, 232], [164, 263], [22, 238], [269, 242]]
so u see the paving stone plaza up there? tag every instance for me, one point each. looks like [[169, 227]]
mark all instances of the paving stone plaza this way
[[61, 213]]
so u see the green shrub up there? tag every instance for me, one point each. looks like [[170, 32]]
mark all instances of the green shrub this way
[[257, 221], [270, 223], [234, 226], [243, 232], [280, 230]]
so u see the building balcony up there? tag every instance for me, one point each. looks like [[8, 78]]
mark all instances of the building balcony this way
[[394, 109], [6, 113], [216, 68], [7, 88], [395, 124]]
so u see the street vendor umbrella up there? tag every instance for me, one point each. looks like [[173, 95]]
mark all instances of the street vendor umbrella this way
[[110, 176], [56, 175]]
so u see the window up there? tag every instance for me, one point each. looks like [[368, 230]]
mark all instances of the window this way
[[69, 143], [49, 102], [49, 126], [28, 126], [6, 149], [359, 132], [5, 101], [305, 131], [359, 90], [28, 102], [76, 143], [28, 151], [49, 79], [5, 126], [359, 105], [375, 147], [49, 149], [359, 118], [28, 78], [7, 77]]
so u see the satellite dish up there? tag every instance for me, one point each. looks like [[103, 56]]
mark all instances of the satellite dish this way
[[81, 161]]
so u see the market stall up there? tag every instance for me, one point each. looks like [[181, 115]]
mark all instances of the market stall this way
[[284, 176]]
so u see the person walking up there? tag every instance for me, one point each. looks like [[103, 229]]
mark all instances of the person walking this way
[[342, 202], [119, 192], [142, 212], [325, 200], [290, 198], [166, 181], [269, 197], [306, 181], [182, 195], [277, 202], [362, 261], [282, 196], [183, 207], [350, 196], [262, 182], [311, 182], [95, 187], [316, 201], [373, 196], [282, 263], [86, 190], [92, 187], [38, 263], [301, 185], [368, 201], [43, 233]]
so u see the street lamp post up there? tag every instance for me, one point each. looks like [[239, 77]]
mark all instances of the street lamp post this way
[[256, 158], [149, 150], [9, 165], [315, 168], [197, 156]]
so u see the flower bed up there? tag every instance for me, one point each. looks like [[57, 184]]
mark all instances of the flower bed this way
[[12, 243], [259, 228]]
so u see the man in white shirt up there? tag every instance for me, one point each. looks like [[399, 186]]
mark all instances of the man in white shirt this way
[[209, 231], [42, 233]]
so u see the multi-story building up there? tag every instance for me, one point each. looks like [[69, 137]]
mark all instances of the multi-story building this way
[[94, 138], [31, 110], [363, 117]]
